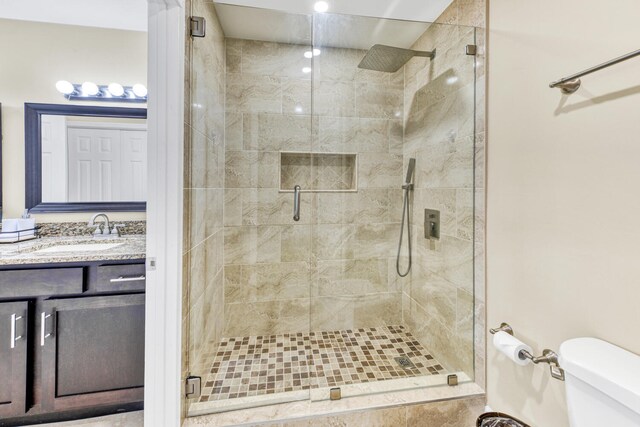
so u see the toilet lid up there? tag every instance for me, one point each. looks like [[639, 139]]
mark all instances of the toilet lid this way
[[604, 366]]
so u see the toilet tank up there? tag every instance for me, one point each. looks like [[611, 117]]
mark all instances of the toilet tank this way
[[602, 383]]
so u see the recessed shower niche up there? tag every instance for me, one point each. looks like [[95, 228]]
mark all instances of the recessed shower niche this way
[[318, 172]]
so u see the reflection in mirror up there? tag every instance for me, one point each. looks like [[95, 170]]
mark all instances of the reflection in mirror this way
[[85, 158], [93, 159]]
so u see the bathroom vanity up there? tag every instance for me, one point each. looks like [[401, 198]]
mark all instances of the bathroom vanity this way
[[72, 328]]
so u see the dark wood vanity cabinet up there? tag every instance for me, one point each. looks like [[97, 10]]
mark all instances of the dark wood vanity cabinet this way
[[71, 339], [13, 357], [92, 351]]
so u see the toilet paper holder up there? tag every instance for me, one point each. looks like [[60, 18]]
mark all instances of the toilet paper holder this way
[[548, 356]]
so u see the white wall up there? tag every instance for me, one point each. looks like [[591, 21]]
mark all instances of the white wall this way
[[563, 189], [36, 55]]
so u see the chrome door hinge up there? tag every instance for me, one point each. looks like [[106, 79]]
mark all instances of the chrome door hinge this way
[[198, 24], [471, 49], [193, 387]]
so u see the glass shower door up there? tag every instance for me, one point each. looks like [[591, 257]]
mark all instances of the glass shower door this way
[[247, 261], [374, 110]]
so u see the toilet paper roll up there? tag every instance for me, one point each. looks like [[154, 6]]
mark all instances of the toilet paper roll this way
[[511, 347]]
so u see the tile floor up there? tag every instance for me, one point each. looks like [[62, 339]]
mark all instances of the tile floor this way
[[252, 366]]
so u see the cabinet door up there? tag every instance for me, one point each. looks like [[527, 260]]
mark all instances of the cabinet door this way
[[13, 358], [92, 351]]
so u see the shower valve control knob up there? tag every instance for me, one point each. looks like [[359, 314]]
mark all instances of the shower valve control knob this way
[[431, 224]]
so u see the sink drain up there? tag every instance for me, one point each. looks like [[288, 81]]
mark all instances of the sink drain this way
[[404, 362]]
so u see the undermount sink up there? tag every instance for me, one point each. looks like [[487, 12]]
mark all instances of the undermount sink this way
[[82, 247]]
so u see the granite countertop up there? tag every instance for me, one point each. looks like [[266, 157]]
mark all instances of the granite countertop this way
[[51, 250]]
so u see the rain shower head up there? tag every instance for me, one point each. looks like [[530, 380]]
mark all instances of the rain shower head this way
[[390, 59], [410, 168]]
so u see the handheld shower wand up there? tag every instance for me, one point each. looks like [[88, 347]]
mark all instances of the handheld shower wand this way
[[406, 213]]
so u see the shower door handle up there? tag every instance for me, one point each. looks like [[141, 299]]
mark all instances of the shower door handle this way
[[296, 203]]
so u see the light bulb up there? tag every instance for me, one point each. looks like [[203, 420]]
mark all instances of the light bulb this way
[[139, 90], [306, 70], [308, 54], [89, 88], [316, 52], [116, 89], [65, 87], [321, 6]]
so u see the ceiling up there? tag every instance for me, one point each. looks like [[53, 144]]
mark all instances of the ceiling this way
[[269, 20], [416, 10], [115, 14], [355, 24]]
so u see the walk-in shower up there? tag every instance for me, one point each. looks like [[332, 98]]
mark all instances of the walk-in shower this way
[[406, 217], [284, 118]]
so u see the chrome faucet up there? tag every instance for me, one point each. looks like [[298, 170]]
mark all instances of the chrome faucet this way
[[104, 229]]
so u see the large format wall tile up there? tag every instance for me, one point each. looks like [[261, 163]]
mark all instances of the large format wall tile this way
[[254, 93], [251, 169], [379, 170], [276, 132], [334, 98], [267, 318], [364, 207], [347, 134], [376, 100], [351, 277], [265, 282]]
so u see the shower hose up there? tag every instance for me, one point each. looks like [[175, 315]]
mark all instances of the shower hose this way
[[405, 214]]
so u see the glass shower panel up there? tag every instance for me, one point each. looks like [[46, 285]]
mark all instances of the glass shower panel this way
[[247, 261], [374, 109]]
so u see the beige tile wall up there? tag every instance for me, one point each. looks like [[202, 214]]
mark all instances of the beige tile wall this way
[[331, 269], [357, 111], [203, 294], [446, 136], [267, 258], [335, 268]]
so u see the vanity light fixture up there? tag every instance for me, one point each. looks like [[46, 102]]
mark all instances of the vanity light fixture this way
[[114, 92], [321, 6]]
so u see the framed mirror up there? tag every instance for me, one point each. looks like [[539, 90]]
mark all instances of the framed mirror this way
[[85, 158]]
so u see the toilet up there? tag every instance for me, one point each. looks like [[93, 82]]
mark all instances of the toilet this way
[[602, 383]]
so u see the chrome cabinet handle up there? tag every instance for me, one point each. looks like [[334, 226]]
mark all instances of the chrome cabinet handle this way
[[128, 279], [296, 203], [14, 338], [43, 322]]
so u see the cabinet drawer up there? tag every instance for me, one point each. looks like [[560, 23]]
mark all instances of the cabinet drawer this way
[[41, 282], [129, 277]]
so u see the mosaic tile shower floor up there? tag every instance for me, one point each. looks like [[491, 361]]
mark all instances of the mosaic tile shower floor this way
[[252, 366]]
